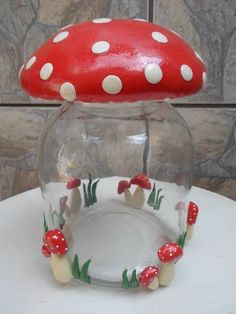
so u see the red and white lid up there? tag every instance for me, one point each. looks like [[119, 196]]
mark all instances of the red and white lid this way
[[108, 60]]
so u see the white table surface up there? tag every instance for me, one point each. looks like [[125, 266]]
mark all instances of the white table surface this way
[[205, 281]]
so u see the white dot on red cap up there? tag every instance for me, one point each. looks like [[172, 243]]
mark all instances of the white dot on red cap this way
[[101, 20], [153, 73], [112, 84], [61, 36], [186, 72], [159, 37], [198, 56], [141, 20], [100, 47], [67, 91], [204, 79], [46, 71], [30, 63]]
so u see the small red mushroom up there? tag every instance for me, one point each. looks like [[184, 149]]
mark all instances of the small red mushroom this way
[[142, 182], [168, 255], [55, 247], [46, 252], [148, 278], [123, 187], [191, 219], [109, 57], [75, 196]]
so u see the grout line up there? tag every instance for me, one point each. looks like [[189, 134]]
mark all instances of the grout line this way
[[176, 105], [150, 10]]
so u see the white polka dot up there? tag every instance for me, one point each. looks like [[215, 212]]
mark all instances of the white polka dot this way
[[112, 84], [153, 73], [61, 36], [159, 37], [198, 56], [101, 20], [21, 70], [186, 72], [46, 71], [30, 63], [64, 27], [67, 91], [100, 47], [204, 79]]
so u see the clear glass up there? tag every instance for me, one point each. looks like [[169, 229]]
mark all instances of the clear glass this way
[[110, 143]]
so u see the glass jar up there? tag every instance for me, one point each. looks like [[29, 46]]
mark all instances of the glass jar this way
[[115, 179]]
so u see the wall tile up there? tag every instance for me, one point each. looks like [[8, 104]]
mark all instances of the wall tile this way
[[213, 131], [209, 26]]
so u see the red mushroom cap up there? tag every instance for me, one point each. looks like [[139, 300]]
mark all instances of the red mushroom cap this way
[[192, 213], [55, 242], [170, 253], [116, 60], [46, 251], [147, 275], [122, 186], [73, 183], [141, 180]]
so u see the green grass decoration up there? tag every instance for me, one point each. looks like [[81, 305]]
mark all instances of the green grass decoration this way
[[125, 280], [75, 267], [81, 274], [181, 240], [155, 199], [84, 272], [151, 199], [134, 281], [45, 226], [90, 192]]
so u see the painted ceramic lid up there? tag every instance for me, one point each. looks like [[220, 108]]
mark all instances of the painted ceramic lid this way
[[108, 60]]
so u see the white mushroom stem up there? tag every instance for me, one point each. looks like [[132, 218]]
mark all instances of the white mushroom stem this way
[[75, 201], [154, 284], [61, 268], [128, 197], [138, 198], [166, 274], [189, 232]]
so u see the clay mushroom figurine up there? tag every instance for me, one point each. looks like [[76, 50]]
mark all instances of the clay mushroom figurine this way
[[168, 255], [148, 278], [191, 219], [55, 248], [142, 182], [75, 196], [114, 60], [123, 187]]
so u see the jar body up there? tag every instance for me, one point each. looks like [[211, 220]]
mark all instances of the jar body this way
[[103, 144]]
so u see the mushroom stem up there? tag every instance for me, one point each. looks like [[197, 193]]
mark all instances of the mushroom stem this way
[[75, 201], [154, 284], [138, 198], [128, 197], [189, 232], [61, 268], [166, 274]]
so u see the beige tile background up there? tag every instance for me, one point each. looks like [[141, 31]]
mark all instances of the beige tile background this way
[[209, 26]]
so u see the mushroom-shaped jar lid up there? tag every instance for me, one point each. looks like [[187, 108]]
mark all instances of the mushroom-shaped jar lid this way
[[116, 60], [170, 253], [55, 242]]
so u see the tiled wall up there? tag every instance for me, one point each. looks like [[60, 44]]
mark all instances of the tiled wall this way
[[209, 26]]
